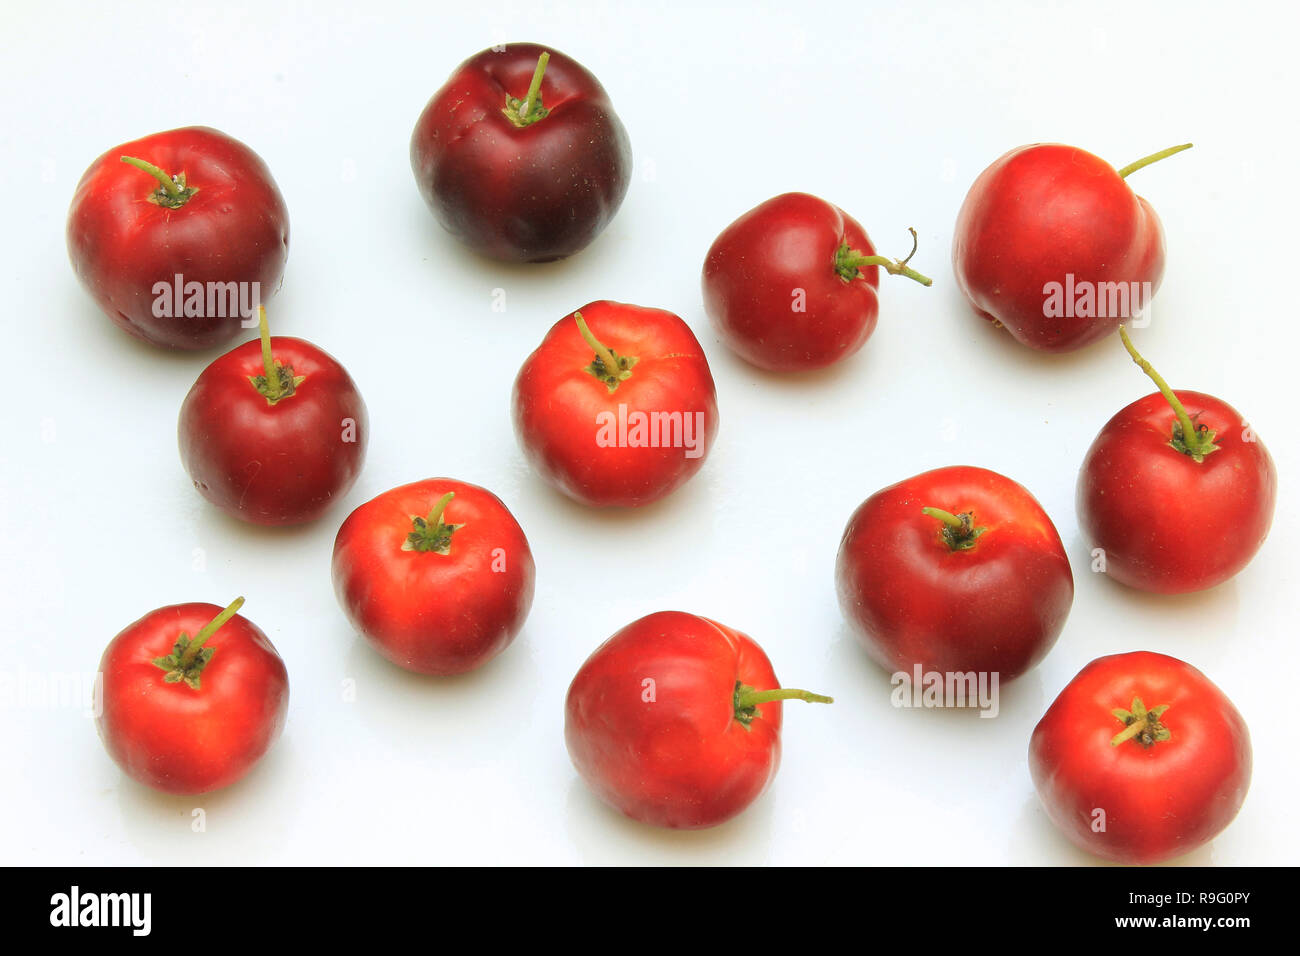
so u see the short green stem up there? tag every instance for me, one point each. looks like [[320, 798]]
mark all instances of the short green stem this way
[[526, 111], [947, 517], [1187, 438], [1153, 158], [188, 658], [435, 514], [214, 625], [848, 261], [1128, 733], [1141, 724], [431, 533], [958, 532]]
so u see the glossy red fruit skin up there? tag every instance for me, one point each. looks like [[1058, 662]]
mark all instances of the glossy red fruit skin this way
[[1161, 801], [428, 612], [235, 228], [531, 194], [997, 607], [1166, 523], [177, 739], [682, 760], [278, 464], [1039, 213], [556, 405], [755, 266]]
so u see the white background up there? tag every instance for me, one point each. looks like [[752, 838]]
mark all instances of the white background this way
[[889, 111]]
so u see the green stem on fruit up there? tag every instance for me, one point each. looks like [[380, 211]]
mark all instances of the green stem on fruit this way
[[608, 366], [602, 353], [171, 192], [1153, 158], [276, 381], [435, 513], [189, 656], [959, 532], [1141, 724], [167, 182], [273, 389], [753, 698], [529, 110], [535, 86], [1188, 438], [747, 699], [431, 533], [209, 629], [947, 517], [849, 261]]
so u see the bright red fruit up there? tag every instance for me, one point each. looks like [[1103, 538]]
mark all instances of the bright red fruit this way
[[437, 575], [190, 202], [676, 721], [1170, 513], [617, 406], [1053, 244], [1141, 758], [791, 284], [958, 569], [521, 156], [192, 697], [274, 431]]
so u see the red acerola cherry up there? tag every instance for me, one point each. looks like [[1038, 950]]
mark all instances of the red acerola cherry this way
[[1176, 493], [274, 431], [179, 236], [1053, 245], [521, 156]]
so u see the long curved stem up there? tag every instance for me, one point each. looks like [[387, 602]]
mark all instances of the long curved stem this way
[[1184, 420], [848, 261], [167, 182], [754, 697], [1133, 167], [605, 355]]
